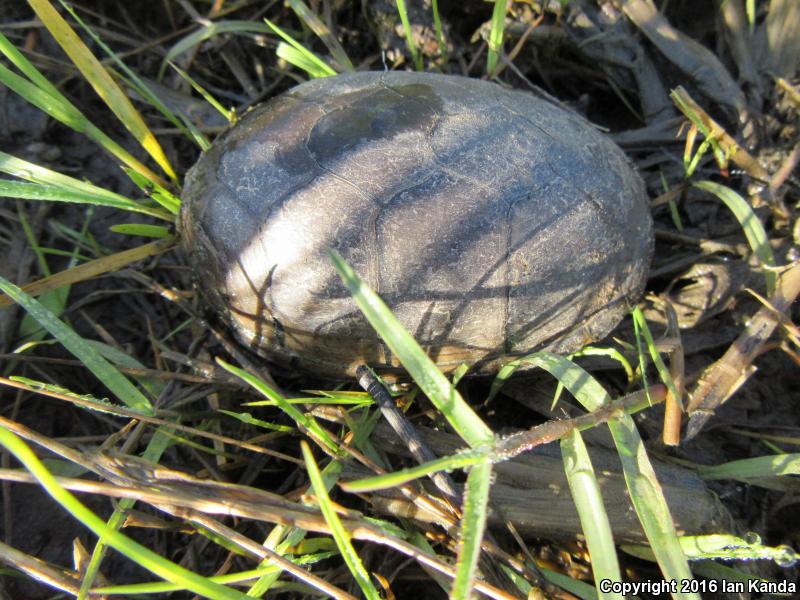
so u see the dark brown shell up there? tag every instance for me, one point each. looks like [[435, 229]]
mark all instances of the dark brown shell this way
[[492, 222]]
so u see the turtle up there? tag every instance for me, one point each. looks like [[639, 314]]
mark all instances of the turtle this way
[[493, 222]]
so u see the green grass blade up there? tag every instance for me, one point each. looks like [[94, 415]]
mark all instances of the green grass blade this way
[[54, 105], [421, 368], [577, 588], [473, 524], [416, 56], [206, 33], [459, 372], [55, 300], [280, 540], [132, 80], [159, 194], [776, 465], [251, 420], [307, 423], [580, 384], [229, 115], [143, 230], [99, 78], [121, 359], [315, 24], [123, 544], [238, 577], [611, 353], [102, 369], [725, 547], [320, 66], [648, 500], [301, 60], [640, 478], [496, 35], [340, 534], [752, 227], [23, 64], [58, 107], [397, 478], [337, 398], [592, 513], [437, 24], [663, 371], [33, 191], [284, 539], [34, 173]]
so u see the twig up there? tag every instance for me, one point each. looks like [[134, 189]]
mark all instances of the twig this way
[[517, 443], [405, 430], [724, 376], [711, 129], [785, 170], [673, 409]]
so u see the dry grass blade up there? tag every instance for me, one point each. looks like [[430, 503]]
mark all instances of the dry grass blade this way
[[246, 502], [725, 376], [612, 43], [783, 43], [91, 404], [737, 33], [259, 551], [92, 268], [145, 557], [793, 93], [39, 570], [786, 168], [694, 59]]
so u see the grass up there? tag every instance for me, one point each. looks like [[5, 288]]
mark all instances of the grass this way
[[337, 422], [496, 34]]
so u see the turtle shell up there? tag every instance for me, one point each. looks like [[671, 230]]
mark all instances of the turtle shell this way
[[492, 222]]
